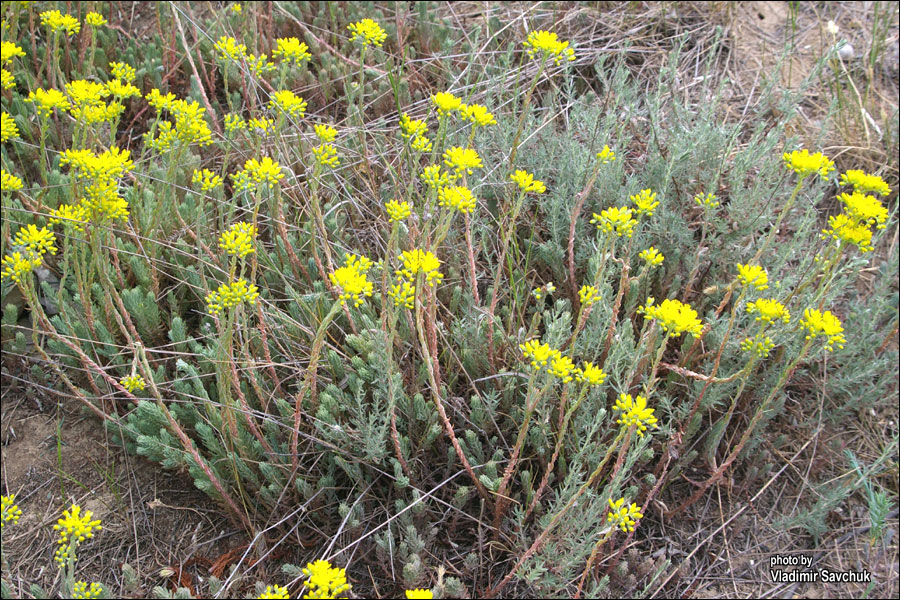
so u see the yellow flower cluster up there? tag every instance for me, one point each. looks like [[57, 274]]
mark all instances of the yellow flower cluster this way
[[844, 228], [548, 288], [8, 51], [414, 131], [95, 19], [45, 101], [804, 164], [458, 197], [865, 210], [863, 182], [673, 316], [539, 354], [397, 211], [446, 103], [260, 125], [635, 412], [645, 202], [419, 594], [367, 31], [819, 323], [7, 81], [69, 215], [74, 528], [16, 265], [35, 243], [57, 22], [562, 367], [753, 275], [769, 311], [761, 346], [133, 382], [189, 126], [615, 220], [352, 279], [527, 182], [325, 581], [206, 179], [587, 295], [606, 155], [326, 155], [274, 592], [256, 172], [232, 294], [548, 46], [101, 202], [419, 261], [288, 102], [291, 50], [234, 123], [228, 48], [478, 114], [707, 200], [8, 127], [9, 182], [120, 86], [238, 240], [462, 160], [590, 375], [86, 101], [81, 589], [325, 133], [10, 512], [623, 517], [652, 256], [434, 176]]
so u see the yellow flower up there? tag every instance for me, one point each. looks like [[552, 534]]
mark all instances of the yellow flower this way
[[161, 102], [623, 517], [706, 201], [133, 382], [548, 46], [674, 317], [206, 179], [562, 367], [587, 295], [419, 593], [753, 275], [40, 241], [548, 288], [761, 346], [445, 103], [478, 114], [325, 581], [410, 128], [462, 159], [229, 295], [46, 101], [618, 220], [419, 261], [326, 154], [352, 279], [845, 229], [259, 65], [10, 183], [227, 47], [236, 8], [635, 412], [288, 102], [538, 353], [8, 51], [56, 21], [818, 323], [652, 256], [274, 592], [803, 163], [110, 164], [10, 510], [422, 144], [8, 127], [325, 133], [16, 265], [121, 90], [606, 155], [527, 182], [863, 182], [83, 92], [291, 50], [189, 126], [265, 171], [645, 202], [238, 240], [234, 123], [457, 197], [95, 19], [81, 588], [397, 211], [590, 374], [7, 81], [403, 293], [69, 215], [368, 31], [75, 526], [769, 311], [260, 125], [865, 209], [434, 177], [122, 71]]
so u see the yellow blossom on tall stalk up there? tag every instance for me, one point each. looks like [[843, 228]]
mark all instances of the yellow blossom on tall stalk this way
[[397, 211], [238, 240], [45, 101], [160, 101], [445, 103], [325, 133], [865, 209], [769, 311], [418, 261], [635, 412], [265, 171], [228, 48], [234, 123], [547, 45], [8, 128], [707, 200], [291, 50], [527, 182], [81, 590], [845, 229], [623, 517], [206, 179], [69, 215], [410, 128], [352, 279], [9, 510], [95, 19], [83, 92], [818, 323], [562, 367], [17, 265], [259, 65], [40, 241], [367, 31], [862, 182], [434, 176], [57, 21], [274, 592], [74, 527], [325, 581], [462, 160], [645, 202], [753, 275], [289, 102], [189, 126], [615, 220], [110, 164], [326, 155], [7, 81], [478, 114], [133, 383], [803, 163], [673, 316], [761, 346], [588, 295], [8, 51], [122, 71], [606, 155], [590, 375], [457, 197], [9, 182], [652, 256], [260, 125], [539, 354], [231, 294]]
